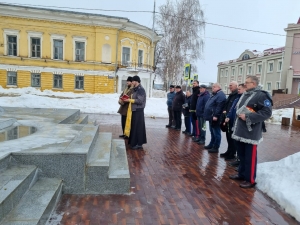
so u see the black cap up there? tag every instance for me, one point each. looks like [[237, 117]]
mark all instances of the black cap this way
[[203, 86], [178, 86], [129, 79], [136, 78], [172, 86]]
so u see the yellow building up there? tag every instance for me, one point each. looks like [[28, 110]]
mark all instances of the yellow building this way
[[72, 51]]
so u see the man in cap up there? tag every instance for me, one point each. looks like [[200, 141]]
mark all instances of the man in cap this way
[[124, 105], [201, 102], [178, 101], [137, 131], [170, 97]]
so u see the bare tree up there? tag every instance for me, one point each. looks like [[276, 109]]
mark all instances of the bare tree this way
[[181, 23]]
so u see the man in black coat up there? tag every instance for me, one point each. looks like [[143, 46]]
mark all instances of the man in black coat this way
[[231, 149], [194, 98], [178, 101]]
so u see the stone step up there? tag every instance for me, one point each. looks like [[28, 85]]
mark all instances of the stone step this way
[[83, 119], [98, 164], [14, 182], [37, 204], [118, 174]]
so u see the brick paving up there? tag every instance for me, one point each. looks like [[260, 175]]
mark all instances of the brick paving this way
[[175, 181]]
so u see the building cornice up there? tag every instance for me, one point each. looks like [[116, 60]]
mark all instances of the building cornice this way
[[252, 60], [85, 19], [53, 70]]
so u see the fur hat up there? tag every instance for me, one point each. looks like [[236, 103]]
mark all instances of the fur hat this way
[[129, 79], [136, 78]]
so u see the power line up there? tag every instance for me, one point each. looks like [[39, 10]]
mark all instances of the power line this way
[[64, 7], [145, 11]]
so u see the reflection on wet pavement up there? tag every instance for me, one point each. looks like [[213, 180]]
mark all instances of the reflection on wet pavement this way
[[176, 181]]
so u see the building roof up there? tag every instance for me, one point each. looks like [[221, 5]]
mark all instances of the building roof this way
[[254, 54], [78, 17]]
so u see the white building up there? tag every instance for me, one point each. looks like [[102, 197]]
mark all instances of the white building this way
[[277, 68]]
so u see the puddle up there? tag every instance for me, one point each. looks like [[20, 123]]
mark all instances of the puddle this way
[[16, 132]]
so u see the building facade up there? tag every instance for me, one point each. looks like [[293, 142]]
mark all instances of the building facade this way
[[73, 51], [266, 65], [276, 69]]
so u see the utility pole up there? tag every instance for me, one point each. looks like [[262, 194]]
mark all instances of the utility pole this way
[[153, 62]]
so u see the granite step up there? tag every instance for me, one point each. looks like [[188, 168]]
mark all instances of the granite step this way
[[98, 164], [14, 182], [37, 204], [118, 173], [83, 119]]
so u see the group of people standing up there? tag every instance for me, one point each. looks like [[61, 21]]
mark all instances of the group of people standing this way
[[241, 115]]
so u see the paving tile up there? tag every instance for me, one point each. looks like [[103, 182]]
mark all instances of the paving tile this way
[[178, 182]]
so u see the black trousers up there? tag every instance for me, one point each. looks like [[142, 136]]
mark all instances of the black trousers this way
[[171, 116], [187, 122], [248, 161], [177, 118], [123, 122], [231, 149]]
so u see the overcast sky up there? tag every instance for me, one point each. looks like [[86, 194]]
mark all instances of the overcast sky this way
[[262, 15]]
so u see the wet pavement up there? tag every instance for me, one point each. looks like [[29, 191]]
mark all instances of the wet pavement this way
[[176, 181]]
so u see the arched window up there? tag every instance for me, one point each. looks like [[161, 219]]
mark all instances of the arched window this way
[[106, 53], [246, 56]]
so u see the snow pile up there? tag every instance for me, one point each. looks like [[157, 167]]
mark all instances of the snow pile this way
[[281, 181], [279, 113], [87, 103]]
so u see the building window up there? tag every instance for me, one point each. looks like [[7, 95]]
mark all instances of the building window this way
[[58, 49], [233, 72], [226, 73], [270, 67], [79, 51], [140, 58], [35, 47], [125, 56], [241, 70], [106, 53], [269, 86], [11, 78], [278, 85], [279, 66], [245, 57], [35, 80], [79, 82], [57, 81], [259, 68], [35, 42], [249, 70], [12, 45]]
